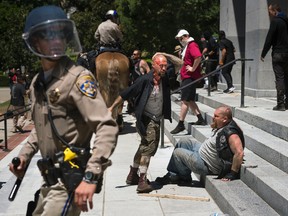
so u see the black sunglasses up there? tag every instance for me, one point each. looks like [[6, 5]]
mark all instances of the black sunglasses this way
[[50, 35]]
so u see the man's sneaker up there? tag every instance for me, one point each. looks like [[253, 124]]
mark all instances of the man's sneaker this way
[[174, 179], [279, 107], [226, 90], [178, 129], [231, 89], [199, 122], [213, 88], [14, 130], [187, 181], [167, 179], [20, 129]]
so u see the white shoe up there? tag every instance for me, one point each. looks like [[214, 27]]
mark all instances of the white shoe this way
[[231, 89]]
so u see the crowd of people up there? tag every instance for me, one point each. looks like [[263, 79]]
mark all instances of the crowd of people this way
[[68, 108]]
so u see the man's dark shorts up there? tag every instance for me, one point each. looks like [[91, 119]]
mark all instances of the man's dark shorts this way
[[188, 93]]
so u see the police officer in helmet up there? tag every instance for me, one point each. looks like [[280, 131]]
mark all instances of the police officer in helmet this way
[[113, 16], [67, 109], [108, 33]]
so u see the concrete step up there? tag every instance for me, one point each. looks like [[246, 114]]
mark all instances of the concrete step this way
[[267, 150], [235, 198], [256, 111], [272, 188], [270, 183]]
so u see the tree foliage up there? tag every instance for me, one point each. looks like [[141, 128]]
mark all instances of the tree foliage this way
[[149, 25]]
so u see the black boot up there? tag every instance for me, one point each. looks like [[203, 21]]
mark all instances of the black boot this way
[[200, 120], [280, 101], [133, 177], [167, 179], [143, 185], [180, 127], [280, 107]]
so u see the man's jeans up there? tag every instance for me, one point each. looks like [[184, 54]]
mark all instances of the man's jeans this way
[[186, 159]]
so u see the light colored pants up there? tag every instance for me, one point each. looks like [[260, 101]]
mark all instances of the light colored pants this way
[[20, 122], [186, 159], [56, 201]]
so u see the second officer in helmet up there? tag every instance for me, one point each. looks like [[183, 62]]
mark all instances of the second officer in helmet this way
[[108, 33]]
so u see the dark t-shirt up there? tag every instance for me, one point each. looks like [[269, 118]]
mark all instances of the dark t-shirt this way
[[228, 45], [212, 45], [170, 70], [17, 95]]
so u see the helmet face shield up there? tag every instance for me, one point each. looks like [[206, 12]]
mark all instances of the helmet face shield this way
[[53, 39]]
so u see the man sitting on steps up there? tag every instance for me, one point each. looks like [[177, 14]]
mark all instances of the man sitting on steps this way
[[221, 154]]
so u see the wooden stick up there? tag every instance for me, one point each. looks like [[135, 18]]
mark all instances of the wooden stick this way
[[173, 196]]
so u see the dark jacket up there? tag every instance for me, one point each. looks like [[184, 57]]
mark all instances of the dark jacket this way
[[277, 36], [141, 91]]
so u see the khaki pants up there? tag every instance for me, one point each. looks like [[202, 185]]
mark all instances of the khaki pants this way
[[56, 201], [149, 143], [20, 122]]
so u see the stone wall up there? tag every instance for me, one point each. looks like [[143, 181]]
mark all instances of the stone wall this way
[[246, 23]]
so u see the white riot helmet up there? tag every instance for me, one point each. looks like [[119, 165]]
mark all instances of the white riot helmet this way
[[50, 25], [112, 15]]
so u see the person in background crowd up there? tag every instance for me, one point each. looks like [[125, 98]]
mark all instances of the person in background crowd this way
[[190, 71], [277, 38], [227, 55], [140, 66], [12, 77], [18, 104], [153, 102], [211, 54], [178, 51], [66, 109], [221, 154]]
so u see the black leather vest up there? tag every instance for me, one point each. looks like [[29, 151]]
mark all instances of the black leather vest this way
[[222, 146]]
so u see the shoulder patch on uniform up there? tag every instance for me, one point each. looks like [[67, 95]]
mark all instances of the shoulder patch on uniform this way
[[86, 85]]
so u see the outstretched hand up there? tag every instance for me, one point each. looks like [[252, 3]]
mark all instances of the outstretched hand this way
[[84, 196]]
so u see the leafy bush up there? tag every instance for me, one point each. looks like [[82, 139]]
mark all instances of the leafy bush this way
[[4, 81]]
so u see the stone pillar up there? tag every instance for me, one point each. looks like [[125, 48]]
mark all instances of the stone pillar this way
[[246, 24]]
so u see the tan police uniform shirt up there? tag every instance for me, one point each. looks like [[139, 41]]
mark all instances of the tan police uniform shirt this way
[[108, 32], [78, 110]]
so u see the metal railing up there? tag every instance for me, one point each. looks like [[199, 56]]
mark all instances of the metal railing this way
[[216, 71], [209, 75], [10, 114]]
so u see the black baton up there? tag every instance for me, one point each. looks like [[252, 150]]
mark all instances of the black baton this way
[[13, 193]]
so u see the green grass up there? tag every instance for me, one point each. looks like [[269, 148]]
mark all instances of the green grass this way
[[4, 106]]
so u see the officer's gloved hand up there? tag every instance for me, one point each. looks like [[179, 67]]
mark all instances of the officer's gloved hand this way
[[232, 175]]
